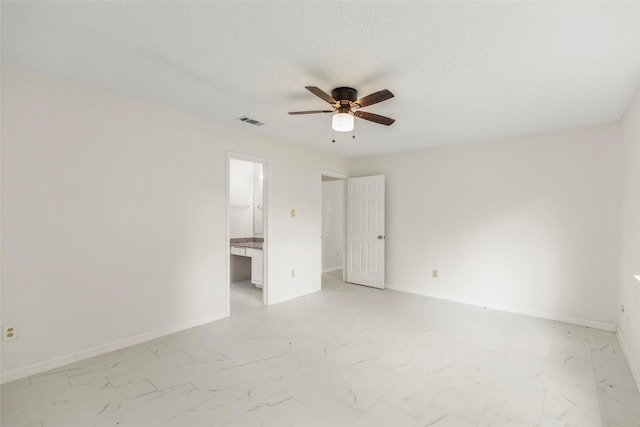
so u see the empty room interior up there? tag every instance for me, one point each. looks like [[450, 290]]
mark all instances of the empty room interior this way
[[320, 214]]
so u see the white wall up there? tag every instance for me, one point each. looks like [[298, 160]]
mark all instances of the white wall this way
[[241, 197], [629, 287], [113, 219], [332, 225], [526, 224]]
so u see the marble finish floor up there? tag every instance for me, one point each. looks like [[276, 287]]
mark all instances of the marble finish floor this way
[[346, 356], [245, 295]]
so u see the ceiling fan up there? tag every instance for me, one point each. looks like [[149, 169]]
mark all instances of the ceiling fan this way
[[345, 101]]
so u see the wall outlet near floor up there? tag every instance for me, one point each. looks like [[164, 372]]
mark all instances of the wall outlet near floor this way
[[621, 308], [434, 273], [9, 333], [293, 274]]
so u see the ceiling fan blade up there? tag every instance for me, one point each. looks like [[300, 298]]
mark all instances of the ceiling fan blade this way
[[321, 94], [311, 112], [374, 98], [376, 118]]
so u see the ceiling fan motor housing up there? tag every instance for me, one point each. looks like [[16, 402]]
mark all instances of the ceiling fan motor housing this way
[[344, 94]]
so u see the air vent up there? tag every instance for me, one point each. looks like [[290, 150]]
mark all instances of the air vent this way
[[250, 121]]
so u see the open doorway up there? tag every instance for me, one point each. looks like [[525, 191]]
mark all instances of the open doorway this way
[[246, 225], [353, 230], [333, 227]]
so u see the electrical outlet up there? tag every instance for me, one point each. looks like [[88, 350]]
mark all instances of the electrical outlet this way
[[337, 254], [9, 333], [621, 308], [434, 273], [293, 213], [293, 274]]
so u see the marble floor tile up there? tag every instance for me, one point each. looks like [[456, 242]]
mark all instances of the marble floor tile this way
[[219, 408], [413, 394], [571, 405], [184, 374], [518, 368], [468, 398], [52, 405], [105, 404], [318, 384], [366, 387], [241, 376], [110, 366], [611, 367], [149, 369], [519, 404], [438, 417], [566, 346], [330, 412], [573, 371], [24, 403], [348, 356], [534, 344], [383, 415], [189, 418], [619, 406], [157, 411], [493, 419], [245, 295], [278, 410]]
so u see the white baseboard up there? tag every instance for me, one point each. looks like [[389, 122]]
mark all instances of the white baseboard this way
[[330, 269], [595, 324], [630, 361], [46, 365]]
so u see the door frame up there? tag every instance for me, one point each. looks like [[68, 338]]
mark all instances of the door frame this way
[[266, 190], [343, 177]]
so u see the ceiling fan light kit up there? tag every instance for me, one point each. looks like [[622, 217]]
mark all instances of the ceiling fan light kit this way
[[342, 122], [346, 104]]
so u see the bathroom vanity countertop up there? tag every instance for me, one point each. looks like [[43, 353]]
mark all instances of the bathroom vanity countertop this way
[[248, 242], [253, 245]]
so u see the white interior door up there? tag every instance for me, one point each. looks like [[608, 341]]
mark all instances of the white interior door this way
[[365, 231]]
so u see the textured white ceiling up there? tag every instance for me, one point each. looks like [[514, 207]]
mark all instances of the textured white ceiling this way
[[461, 72]]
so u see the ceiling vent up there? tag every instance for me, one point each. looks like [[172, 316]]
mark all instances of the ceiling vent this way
[[250, 121]]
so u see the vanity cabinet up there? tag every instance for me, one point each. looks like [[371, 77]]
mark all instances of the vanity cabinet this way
[[257, 262], [257, 266], [235, 250]]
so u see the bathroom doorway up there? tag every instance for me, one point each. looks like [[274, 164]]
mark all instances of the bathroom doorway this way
[[333, 227], [247, 179]]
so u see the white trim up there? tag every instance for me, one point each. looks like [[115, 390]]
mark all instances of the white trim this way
[[330, 174], [330, 269], [39, 367], [630, 361], [595, 324]]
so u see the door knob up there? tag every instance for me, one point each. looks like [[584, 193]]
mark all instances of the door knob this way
[[379, 237]]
